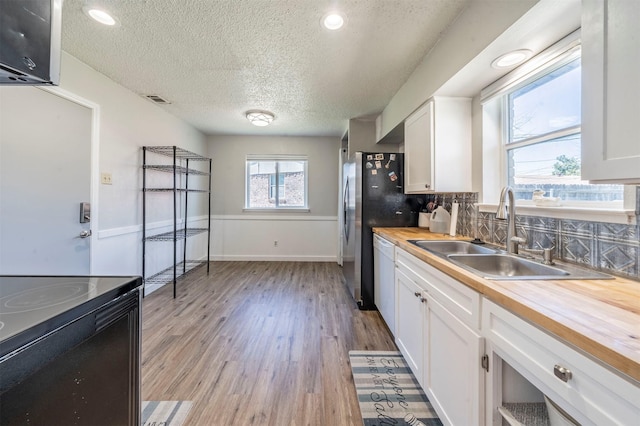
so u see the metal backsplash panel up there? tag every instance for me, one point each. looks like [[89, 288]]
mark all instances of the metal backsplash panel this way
[[608, 247]]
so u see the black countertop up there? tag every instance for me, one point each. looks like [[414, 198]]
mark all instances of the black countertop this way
[[33, 306]]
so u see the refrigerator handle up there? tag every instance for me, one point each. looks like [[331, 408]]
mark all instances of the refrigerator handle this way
[[345, 208]]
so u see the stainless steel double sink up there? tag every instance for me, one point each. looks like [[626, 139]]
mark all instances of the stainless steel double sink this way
[[495, 264]]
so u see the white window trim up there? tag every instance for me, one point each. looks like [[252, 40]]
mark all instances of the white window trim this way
[[591, 214], [559, 54], [275, 157], [493, 152]]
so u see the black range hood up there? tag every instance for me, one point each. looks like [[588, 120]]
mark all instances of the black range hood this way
[[30, 41]]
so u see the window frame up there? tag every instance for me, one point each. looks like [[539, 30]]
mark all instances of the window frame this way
[[495, 119], [510, 144], [277, 159]]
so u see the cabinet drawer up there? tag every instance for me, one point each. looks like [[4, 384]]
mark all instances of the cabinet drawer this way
[[412, 267], [463, 302], [592, 395]]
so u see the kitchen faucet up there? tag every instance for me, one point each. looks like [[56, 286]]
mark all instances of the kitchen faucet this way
[[513, 241]]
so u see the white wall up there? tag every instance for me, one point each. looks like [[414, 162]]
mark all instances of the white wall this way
[[242, 235], [475, 29], [127, 122]]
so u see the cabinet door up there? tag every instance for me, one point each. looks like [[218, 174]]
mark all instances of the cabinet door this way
[[454, 376], [418, 159], [592, 393], [410, 326], [610, 91], [451, 145]]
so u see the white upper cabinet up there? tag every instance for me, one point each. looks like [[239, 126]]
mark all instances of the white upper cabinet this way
[[610, 91], [437, 146]]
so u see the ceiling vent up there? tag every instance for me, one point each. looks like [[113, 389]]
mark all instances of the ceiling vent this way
[[157, 99]]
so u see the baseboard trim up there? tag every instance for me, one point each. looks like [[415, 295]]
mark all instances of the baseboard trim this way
[[150, 288], [264, 258]]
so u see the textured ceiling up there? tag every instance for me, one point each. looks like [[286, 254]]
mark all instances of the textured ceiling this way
[[215, 59]]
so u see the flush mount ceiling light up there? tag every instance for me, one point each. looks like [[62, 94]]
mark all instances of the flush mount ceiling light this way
[[333, 21], [511, 59], [260, 118], [100, 15]]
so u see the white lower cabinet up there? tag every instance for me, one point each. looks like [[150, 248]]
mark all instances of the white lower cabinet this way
[[410, 322], [582, 387], [449, 335], [441, 344], [455, 380]]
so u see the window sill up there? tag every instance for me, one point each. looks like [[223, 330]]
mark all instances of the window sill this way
[[279, 210], [626, 217]]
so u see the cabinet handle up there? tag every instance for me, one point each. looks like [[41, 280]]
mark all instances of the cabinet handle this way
[[562, 373], [426, 185], [417, 294], [423, 299]]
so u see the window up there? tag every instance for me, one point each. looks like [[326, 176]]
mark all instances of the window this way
[[276, 183], [540, 108], [277, 191]]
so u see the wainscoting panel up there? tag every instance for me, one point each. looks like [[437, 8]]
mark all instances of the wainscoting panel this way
[[279, 237]]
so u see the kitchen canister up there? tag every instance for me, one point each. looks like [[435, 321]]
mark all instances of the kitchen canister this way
[[440, 221], [424, 219]]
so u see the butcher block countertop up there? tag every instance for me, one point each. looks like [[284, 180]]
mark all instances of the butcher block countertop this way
[[600, 317]]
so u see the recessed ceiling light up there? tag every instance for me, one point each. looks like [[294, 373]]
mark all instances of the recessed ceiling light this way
[[333, 21], [260, 118], [100, 15], [511, 59]]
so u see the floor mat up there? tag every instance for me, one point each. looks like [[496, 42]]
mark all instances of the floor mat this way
[[388, 392], [165, 413]]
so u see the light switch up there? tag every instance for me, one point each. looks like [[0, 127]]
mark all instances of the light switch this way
[[105, 178]]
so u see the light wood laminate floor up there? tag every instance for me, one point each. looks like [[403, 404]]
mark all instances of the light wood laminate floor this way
[[258, 343]]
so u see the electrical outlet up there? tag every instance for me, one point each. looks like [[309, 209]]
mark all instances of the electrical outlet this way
[[105, 179], [275, 243]]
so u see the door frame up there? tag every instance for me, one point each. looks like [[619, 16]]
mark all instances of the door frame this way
[[340, 204], [94, 187]]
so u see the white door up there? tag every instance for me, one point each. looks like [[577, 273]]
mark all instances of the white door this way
[[454, 377], [418, 149], [45, 173], [410, 323]]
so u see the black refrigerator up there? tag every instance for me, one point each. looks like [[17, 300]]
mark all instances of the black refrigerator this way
[[373, 195]]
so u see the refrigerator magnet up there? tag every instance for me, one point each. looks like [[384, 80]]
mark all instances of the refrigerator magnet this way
[[368, 165], [374, 172], [386, 166], [379, 156], [378, 164], [392, 157], [369, 157], [393, 176]]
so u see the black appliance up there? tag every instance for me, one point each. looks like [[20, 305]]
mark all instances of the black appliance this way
[[30, 41], [373, 196], [69, 350]]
